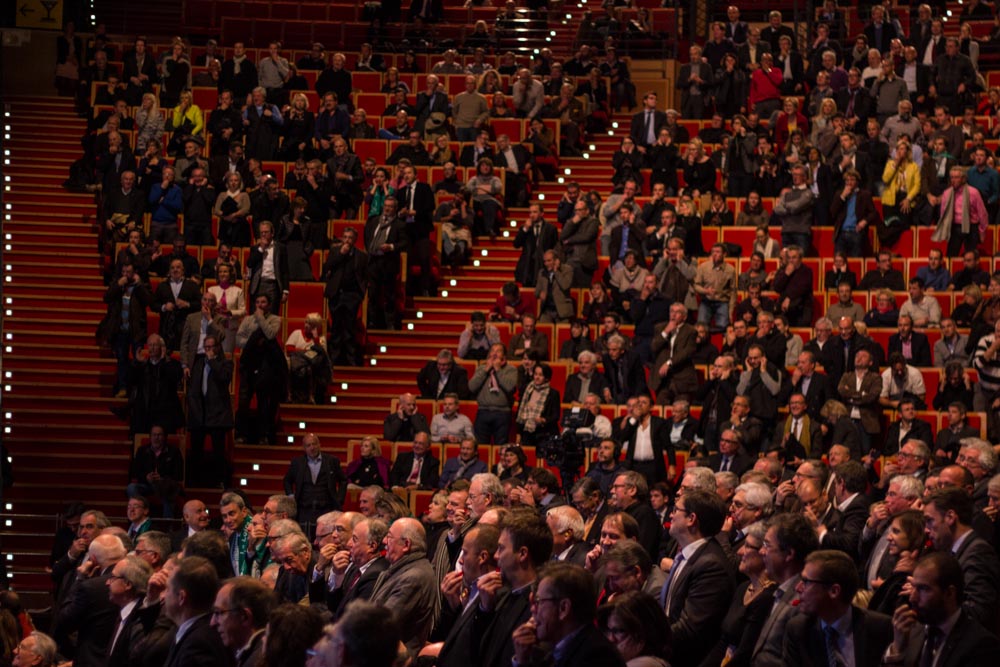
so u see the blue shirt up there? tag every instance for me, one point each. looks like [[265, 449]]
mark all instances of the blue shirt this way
[[934, 279], [986, 181], [851, 217]]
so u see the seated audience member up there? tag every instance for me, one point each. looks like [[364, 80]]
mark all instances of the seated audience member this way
[[913, 345], [845, 306], [406, 421], [417, 468], [450, 425], [477, 338], [902, 381], [924, 310], [951, 346], [371, 469], [443, 376], [883, 276]]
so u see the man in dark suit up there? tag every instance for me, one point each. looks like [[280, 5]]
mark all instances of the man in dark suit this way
[[268, 267], [694, 81], [346, 276], [175, 299], [938, 590], [772, 33], [578, 238], [700, 582], [830, 627], [248, 603], [880, 32], [196, 519], [907, 427], [210, 414], [731, 456], [948, 520], [853, 187], [789, 540], [859, 390], [646, 124], [800, 435], [87, 611], [416, 209], [430, 101], [624, 372], [566, 622], [736, 30], [443, 376], [849, 485], [534, 238], [417, 468], [630, 494], [672, 346], [189, 597], [384, 240], [647, 439], [458, 611], [568, 545], [920, 347], [587, 380], [126, 588], [316, 480], [367, 563], [477, 150], [138, 72], [516, 160], [525, 545]]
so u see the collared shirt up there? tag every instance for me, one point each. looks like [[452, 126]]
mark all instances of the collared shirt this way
[[314, 466], [843, 506], [643, 445], [123, 616], [267, 268], [688, 553], [721, 277], [246, 647], [845, 636], [185, 626]]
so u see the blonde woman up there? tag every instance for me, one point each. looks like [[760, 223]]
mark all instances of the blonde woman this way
[[371, 469], [699, 170], [823, 120], [230, 304], [187, 118], [309, 367], [902, 186], [232, 207], [149, 122]]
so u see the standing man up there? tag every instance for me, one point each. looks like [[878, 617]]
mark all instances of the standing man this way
[[210, 414], [535, 238], [384, 240], [188, 602], [268, 267], [263, 372], [553, 290], [672, 346], [316, 481], [646, 124], [346, 275]]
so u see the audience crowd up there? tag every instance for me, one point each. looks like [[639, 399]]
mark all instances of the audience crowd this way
[[763, 490]]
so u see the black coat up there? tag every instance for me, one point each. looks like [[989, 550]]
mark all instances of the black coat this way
[[172, 322], [699, 599], [967, 645], [659, 434], [154, 395], [199, 647], [820, 391], [141, 300], [255, 265], [634, 376], [805, 642], [89, 613], [598, 383], [214, 408], [920, 430], [919, 345], [331, 478], [429, 376], [430, 471], [339, 266], [532, 248]]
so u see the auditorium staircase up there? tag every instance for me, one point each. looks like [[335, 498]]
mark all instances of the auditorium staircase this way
[[60, 429]]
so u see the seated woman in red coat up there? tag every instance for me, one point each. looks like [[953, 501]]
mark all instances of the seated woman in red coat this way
[[789, 119]]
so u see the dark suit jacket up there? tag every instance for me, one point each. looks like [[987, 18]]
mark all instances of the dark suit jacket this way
[[377, 263], [598, 383], [699, 599], [428, 377], [919, 346], [330, 477], [805, 642], [635, 377], [577, 554], [681, 377], [864, 209], [337, 267], [740, 463], [423, 205], [199, 647], [845, 533], [467, 158], [256, 262], [461, 644], [362, 589], [888, 34], [496, 647], [866, 400], [578, 241], [89, 613], [588, 648], [172, 322], [968, 645], [863, 102], [820, 391], [650, 527], [430, 471], [532, 248], [214, 408], [920, 430], [981, 572], [638, 131], [131, 632]]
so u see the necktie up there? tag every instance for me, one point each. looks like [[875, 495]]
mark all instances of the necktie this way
[[796, 428], [665, 592], [118, 631], [624, 248], [834, 658], [352, 582], [850, 105], [725, 463], [204, 378], [650, 129], [415, 472], [930, 646]]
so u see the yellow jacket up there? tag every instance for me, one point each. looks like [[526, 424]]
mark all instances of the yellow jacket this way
[[911, 180], [192, 114]]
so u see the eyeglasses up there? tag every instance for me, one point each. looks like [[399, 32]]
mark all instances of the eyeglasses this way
[[818, 582], [739, 506], [116, 577], [535, 602], [320, 536], [616, 632]]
